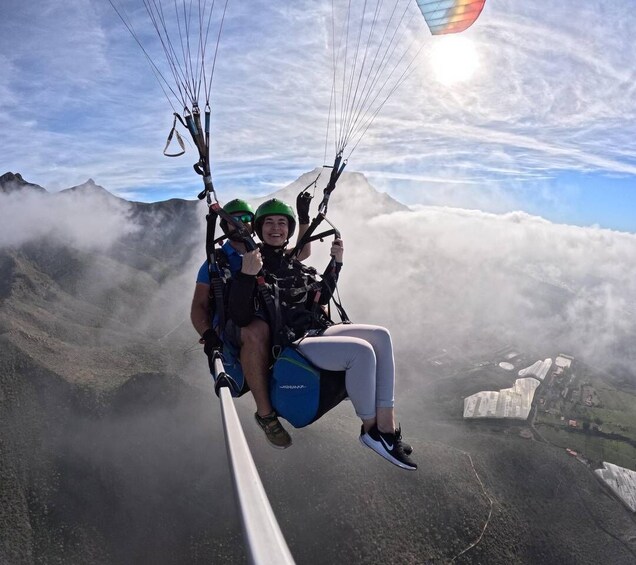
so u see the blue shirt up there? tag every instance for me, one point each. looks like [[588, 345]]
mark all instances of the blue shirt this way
[[234, 259], [235, 262]]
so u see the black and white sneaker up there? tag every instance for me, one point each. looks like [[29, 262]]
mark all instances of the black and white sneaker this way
[[389, 446], [407, 447]]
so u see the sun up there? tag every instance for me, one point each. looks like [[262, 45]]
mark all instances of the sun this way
[[454, 59]]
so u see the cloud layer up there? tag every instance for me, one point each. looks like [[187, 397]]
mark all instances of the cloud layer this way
[[85, 219], [437, 277], [441, 277]]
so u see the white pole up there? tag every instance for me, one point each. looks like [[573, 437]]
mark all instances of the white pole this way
[[265, 542]]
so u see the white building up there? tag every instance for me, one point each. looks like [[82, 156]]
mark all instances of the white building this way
[[512, 402], [563, 361], [539, 369], [622, 481]]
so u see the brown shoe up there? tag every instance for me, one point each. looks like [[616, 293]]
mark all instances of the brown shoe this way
[[274, 431]]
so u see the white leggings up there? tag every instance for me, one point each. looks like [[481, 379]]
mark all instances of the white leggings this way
[[366, 353]]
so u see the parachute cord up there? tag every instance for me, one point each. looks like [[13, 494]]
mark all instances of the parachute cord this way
[[154, 9], [185, 49], [405, 75], [333, 98], [155, 14], [200, 50], [203, 43], [342, 117], [374, 74], [346, 107], [324, 158], [186, 59], [312, 183], [344, 38], [216, 52], [163, 83], [365, 105], [367, 80], [381, 67], [354, 98]]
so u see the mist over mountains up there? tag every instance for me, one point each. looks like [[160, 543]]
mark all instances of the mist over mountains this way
[[112, 447], [440, 276], [445, 275]]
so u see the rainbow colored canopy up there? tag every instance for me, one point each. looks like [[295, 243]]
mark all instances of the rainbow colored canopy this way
[[450, 16]]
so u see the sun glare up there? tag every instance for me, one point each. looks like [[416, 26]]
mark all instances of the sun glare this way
[[454, 59]]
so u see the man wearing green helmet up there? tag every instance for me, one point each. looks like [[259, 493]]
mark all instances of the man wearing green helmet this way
[[364, 352], [252, 340]]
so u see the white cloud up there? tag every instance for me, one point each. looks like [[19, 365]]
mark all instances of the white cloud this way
[[87, 220], [442, 276], [437, 276]]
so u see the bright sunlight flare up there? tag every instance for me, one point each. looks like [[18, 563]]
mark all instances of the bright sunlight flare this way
[[454, 59]]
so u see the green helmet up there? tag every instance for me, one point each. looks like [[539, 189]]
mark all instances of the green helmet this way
[[274, 207], [237, 206]]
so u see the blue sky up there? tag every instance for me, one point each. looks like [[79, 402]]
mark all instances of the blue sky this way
[[545, 123]]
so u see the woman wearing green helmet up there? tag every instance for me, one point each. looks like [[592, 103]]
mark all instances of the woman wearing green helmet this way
[[274, 207], [364, 352]]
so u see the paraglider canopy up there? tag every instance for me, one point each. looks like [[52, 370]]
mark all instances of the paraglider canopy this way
[[450, 16]]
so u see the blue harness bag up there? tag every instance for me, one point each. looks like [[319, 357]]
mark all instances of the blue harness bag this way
[[300, 392]]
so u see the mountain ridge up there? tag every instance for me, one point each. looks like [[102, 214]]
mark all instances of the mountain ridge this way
[[13, 182], [355, 182]]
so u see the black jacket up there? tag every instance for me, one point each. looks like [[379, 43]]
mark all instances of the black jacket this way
[[297, 295]]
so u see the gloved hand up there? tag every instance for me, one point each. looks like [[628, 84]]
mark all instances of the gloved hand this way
[[210, 341], [303, 201]]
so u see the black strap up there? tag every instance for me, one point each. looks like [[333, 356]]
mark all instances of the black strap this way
[[336, 171], [308, 236], [330, 271], [340, 308], [217, 285], [272, 308]]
